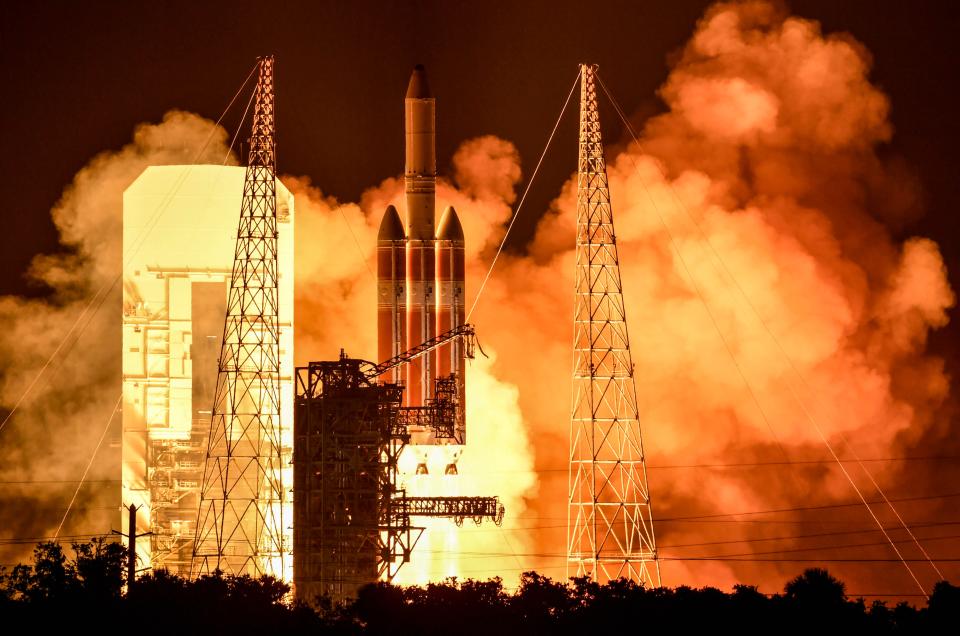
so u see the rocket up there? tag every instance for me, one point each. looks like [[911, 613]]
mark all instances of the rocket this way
[[420, 265], [420, 184]]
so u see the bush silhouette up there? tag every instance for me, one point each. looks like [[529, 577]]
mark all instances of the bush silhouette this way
[[87, 589]]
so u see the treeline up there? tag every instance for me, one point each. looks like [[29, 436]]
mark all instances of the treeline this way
[[87, 590]]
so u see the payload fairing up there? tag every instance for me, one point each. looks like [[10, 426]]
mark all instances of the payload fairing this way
[[420, 266]]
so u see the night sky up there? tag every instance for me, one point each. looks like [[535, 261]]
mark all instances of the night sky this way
[[78, 77]]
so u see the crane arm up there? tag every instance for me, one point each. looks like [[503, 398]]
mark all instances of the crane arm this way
[[464, 331]]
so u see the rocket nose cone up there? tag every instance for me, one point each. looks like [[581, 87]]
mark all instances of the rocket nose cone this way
[[450, 228], [391, 227], [418, 88]]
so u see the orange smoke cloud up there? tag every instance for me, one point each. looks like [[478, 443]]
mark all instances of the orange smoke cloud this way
[[56, 428], [764, 294]]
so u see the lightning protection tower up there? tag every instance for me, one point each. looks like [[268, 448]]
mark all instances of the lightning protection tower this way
[[240, 523], [609, 522]]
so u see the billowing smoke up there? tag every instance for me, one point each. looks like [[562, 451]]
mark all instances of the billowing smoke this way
[[50, 439], [766, 293], [766, 298]]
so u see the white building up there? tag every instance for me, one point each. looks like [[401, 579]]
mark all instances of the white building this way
[[179, 234]]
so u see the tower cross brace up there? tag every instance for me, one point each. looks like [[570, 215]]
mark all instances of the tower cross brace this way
[[240, 522]]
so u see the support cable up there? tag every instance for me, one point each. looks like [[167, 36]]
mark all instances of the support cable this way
[[113, 411], [704, 237], [106, 288], [363, 258], [713, 320], [523, 198]]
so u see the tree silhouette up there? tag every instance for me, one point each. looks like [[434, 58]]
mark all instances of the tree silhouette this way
[[816, 598], [943, 608], [541, 603], [65, 593], [816, 588], [98, 568], [49, 578]]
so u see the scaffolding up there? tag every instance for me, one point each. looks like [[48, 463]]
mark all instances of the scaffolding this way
[[352, 521]]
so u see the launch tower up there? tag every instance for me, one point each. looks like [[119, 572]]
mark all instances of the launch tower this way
[[353, 521], [609, 522], [240, 524]]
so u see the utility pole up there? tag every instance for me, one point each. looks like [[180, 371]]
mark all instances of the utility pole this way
[[132, 537], [132, 546]]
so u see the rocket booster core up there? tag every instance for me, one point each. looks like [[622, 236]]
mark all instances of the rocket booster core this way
[[420, 168], [420, 183], [420, 268]]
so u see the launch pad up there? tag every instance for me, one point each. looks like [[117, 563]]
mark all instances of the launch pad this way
[[353, 419], [352, 520]]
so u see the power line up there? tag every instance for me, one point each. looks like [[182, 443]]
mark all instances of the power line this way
[[62, 537], [785, 550], [810, 560], [22, 482], [810, 536], [776, 510], [820, 507], [742, 464], [930, 458], [932, 524], [833, 547]]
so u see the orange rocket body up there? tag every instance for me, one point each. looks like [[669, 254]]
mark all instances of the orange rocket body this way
[[391, 290], [420, 266]]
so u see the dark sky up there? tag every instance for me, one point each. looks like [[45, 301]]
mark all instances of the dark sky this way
[[78, 76]]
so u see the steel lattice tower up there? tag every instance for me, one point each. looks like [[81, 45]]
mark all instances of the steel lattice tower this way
[[240, 523], [609, 522]]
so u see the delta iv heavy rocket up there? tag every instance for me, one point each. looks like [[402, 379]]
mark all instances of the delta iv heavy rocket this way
[[420, 267]]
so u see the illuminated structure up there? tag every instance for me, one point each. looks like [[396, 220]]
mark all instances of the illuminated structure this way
[[352, 521], [243, 497], [179, 234], [353, 419], [609, 521], [420, 269]]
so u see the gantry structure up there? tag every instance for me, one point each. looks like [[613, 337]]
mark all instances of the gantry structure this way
[[240, 522], [353, 523], [609, 519]]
